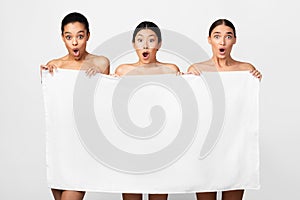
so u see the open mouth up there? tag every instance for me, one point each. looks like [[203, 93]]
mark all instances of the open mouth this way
[[76, 52], [222, 50], [145, 54]]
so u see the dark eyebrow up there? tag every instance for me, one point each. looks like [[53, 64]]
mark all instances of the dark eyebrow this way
[[71, 33], [143, 35], [220, 33], [230, 33]]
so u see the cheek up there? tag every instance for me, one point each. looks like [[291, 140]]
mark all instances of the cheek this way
[[84, 43], [230, 43], [153, 45], [68, 43], [214, 44], [138, 46]]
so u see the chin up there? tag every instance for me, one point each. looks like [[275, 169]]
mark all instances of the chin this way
[[222, 56]]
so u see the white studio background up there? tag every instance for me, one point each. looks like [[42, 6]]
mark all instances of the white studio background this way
[[268, 37]]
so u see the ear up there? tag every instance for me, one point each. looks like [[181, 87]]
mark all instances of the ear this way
[[209, 39], [88, 36]]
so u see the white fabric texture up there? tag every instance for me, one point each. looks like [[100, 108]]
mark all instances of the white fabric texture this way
[[205, 138]]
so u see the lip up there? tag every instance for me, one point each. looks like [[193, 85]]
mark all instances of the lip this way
[[146, 55], [222, 51], [76, 52]]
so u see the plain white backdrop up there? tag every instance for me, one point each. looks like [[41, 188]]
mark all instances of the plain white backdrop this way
[[268, 37]]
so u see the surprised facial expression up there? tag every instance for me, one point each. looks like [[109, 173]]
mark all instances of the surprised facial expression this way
[[146, 45], [75, 37], [222, 39]]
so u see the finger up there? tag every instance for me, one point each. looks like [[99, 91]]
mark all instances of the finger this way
[[257, 73], [115, 75], [95, 72], [197, 73], [92, 72], [89, 73], [44, 67], [259, 77]]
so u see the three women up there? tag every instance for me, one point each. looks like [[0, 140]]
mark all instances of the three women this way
[[146, 41]]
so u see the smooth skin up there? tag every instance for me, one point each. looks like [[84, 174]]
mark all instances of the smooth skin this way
[[222, 40], [75, 38], [146, 45]]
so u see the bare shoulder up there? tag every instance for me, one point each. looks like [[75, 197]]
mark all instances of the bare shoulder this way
[[56, 62], [101, 62], [202, 66], [172, 66], [124, 69], [244, 66]]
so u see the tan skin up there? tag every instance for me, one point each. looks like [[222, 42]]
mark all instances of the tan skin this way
[[75, 37], [222, 40], [146, 45]]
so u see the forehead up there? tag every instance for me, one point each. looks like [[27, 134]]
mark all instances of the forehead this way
[[222, 29], [74, 27], [146, 33]]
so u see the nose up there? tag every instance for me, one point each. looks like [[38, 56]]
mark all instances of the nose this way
[[74, 42], [222, 41], [145, 45]]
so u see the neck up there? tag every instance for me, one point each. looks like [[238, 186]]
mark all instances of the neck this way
[[222, 62], [148, 65]]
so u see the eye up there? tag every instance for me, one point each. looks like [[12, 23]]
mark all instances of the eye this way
[[68, 37], [216, 36], [80, 37], [152, 40], [229, 36], [139, 40]]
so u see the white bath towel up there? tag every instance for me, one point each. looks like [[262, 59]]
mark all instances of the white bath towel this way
[[152, 134]]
